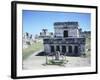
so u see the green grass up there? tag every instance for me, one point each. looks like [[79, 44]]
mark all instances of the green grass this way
[[31, 49], [53, 62]]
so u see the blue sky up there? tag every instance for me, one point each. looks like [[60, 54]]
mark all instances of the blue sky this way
[[35, 21]]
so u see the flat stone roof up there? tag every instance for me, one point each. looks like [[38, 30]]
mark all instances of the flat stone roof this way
[[66, 23]]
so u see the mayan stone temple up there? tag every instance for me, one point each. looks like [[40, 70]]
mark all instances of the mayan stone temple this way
[[67, 40]]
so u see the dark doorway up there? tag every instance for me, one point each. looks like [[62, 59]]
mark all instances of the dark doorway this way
[[70, 49], [52, 49], [65, 33], [57, 48], [63, 49], [76, 49]]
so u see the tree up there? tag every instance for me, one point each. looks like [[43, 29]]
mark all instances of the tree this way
[[44, 31], [40, 33], [27, 34], [31, 36], [51, 34]]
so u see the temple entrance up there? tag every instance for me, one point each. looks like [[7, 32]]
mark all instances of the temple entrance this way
[[57, 48], [70, 49], [52, 49], [76, 49], [64, 49], [65, 33]]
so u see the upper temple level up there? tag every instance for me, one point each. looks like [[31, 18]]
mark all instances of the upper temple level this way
[[66, 29]]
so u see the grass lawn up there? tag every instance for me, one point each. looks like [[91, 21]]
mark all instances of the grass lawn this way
[[31, 49]]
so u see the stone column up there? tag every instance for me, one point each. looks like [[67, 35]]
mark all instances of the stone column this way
[[66, 49]]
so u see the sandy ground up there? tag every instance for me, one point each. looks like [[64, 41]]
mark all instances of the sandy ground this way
[[37, 62]]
